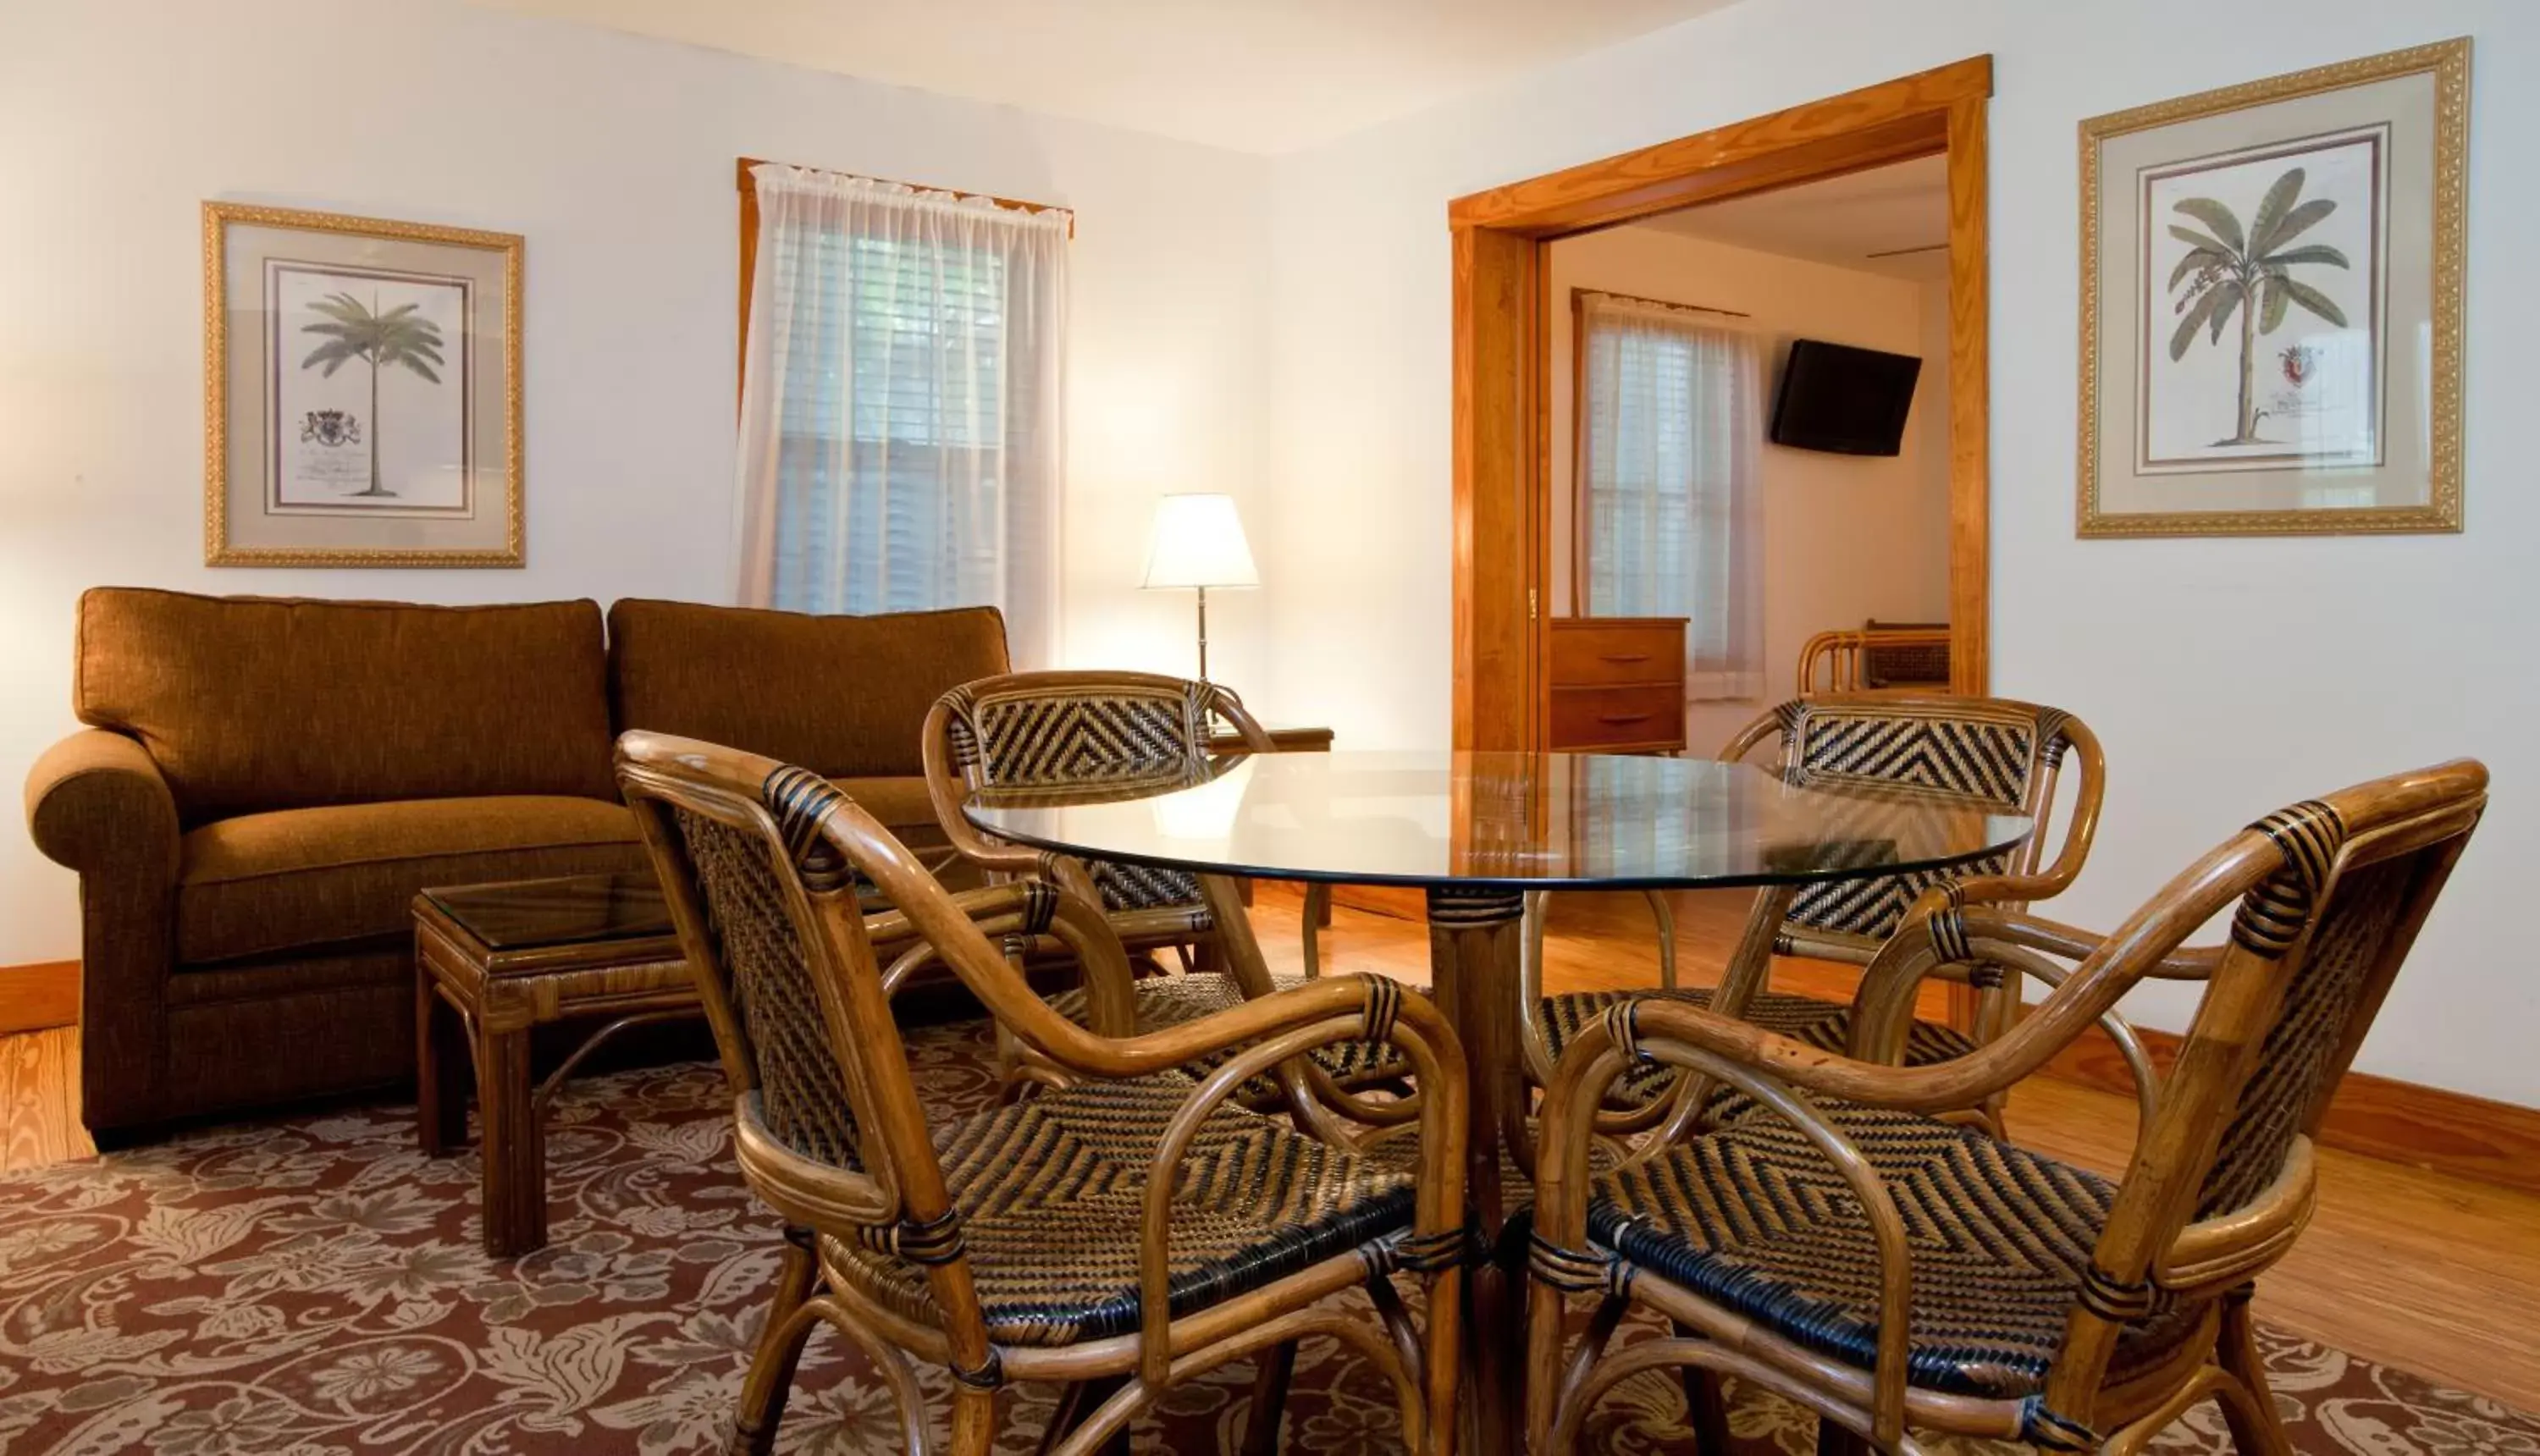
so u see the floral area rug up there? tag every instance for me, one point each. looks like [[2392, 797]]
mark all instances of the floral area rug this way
[[315, 1286]]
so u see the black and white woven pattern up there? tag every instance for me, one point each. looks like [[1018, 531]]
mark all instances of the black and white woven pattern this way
[[1050, 1194], [2297, 1060], [801, 1092], [1754, 1218], [1973, 751], [1116, 737]]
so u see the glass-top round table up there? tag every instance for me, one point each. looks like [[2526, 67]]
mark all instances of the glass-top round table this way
[[1477, 831]]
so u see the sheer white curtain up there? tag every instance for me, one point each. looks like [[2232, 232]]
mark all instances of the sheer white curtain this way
[[1670, 519], [903, 398]]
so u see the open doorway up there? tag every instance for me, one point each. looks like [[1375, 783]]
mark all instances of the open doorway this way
[[1504, 309], [1750, 472]]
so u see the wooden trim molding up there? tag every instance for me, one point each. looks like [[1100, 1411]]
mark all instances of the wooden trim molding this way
[[1893, 121], [1501, 546], [1970, 403], [1502, 442], [2399, 1121], [36, 996]]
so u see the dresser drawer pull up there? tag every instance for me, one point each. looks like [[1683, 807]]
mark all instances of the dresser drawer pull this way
[[1622, 657], [1623, 718]]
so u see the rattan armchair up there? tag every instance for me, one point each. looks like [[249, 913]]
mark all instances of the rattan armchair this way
[[1837, 1242], [1990, 752], [1122, 1224], [1128, 732]]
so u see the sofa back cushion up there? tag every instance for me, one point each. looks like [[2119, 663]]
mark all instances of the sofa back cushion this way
[[251, 703], [845, 697]]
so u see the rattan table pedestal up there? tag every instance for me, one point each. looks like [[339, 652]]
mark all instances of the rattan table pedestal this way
[[493, 962]]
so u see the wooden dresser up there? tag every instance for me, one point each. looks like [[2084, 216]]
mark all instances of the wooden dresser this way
[[1618, 684]]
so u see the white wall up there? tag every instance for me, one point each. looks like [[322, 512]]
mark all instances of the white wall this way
[[614, 156], [1846, 538], [2227, 676]]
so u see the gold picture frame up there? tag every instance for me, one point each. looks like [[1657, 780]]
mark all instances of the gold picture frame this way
[[289, 337], [2369, 452]]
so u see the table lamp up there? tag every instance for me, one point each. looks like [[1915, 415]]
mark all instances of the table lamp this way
[[1199, 543]]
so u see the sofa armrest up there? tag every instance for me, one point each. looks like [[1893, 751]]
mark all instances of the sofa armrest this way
[[97, 803]]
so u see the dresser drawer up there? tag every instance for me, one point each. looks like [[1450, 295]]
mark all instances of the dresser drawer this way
[[1589, 718], [1589, 652]]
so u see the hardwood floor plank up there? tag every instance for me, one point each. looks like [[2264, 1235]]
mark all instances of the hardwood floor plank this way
[[40, 1082]]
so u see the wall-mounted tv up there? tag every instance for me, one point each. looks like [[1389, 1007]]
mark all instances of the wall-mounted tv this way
[[1847, 401]]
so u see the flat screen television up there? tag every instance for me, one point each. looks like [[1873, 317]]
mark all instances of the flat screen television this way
[[1846, 401]]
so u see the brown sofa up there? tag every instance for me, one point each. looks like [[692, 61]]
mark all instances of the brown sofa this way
[[265, 784]]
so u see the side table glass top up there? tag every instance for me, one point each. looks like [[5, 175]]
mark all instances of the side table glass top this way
[[1510, 821], [574, 910]]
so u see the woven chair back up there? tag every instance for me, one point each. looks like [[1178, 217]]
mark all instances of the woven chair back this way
[[1991, 752], [1130, 732]]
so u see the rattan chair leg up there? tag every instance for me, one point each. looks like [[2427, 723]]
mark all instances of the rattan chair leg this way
[[1097, 1392], [1071, 1406], [780, 1349], [1317, 917], [2250, 1411], [1269, 1399], [974, 1421], [1835, 1440], [1706, 1404], [1664, 914]]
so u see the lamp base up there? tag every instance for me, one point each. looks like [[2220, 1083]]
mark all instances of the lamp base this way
[[1203, 633]]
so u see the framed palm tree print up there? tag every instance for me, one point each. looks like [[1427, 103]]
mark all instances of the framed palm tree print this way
[[361, 392], [2271, 305]]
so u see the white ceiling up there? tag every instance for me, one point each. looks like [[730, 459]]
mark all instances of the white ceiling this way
[[1844, 221], [1253, 75]]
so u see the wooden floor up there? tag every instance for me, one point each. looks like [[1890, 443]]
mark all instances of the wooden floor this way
[[2407, 1268]]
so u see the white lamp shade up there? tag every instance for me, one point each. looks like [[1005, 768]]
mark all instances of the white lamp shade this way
[[1199, 542]]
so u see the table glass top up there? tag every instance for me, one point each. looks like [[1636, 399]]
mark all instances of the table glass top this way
[[574, 910], [1510, 821]]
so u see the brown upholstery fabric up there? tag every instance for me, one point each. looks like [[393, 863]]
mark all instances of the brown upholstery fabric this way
[[331, 758], [249, 704], [262, 883], [96, 802], [316, 1026], [901, 803], [844, 697]]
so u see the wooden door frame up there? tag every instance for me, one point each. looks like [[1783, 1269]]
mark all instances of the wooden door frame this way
[[1502, 475]]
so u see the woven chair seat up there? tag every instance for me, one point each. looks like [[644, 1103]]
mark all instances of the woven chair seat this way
[[1753, 1217], [1823, 1024], [1050, 1189], [1173, 1000]]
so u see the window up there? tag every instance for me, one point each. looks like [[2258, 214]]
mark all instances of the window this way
[[1671, 423], [901, 422]]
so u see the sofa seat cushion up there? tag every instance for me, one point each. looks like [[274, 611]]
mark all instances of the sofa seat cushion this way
[[262, 883]]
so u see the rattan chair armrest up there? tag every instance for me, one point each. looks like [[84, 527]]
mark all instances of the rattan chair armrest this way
[[1389, 1014], [1945, 1086], [890, 928], [2002, 889], [1589, 1069]]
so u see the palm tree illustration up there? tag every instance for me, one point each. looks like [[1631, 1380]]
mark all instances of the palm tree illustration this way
[[353, 330], [2231, 273]]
